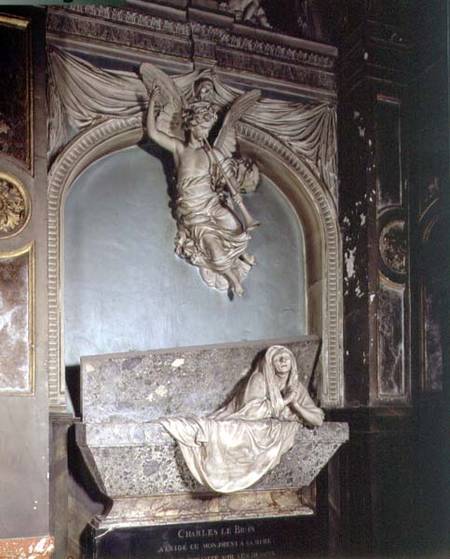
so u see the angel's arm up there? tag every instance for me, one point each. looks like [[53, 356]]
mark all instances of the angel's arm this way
[[161, 138]]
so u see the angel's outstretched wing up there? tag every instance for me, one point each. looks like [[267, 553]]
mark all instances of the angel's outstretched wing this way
[[226, 139], [172, 102]]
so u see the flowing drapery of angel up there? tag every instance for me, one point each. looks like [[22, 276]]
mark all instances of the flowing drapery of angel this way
[[236, 446], [88, 93]]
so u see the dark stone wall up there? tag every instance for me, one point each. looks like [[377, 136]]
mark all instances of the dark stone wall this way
[[24, 431], [377, 475], [429, 201]]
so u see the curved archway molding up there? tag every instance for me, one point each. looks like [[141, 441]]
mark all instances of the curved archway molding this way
[[309, 197]]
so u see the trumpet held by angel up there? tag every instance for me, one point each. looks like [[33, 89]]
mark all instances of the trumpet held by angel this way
[[213, 223]]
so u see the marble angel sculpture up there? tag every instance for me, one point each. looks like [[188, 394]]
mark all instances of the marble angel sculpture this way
[[234, 447], [212, 221]]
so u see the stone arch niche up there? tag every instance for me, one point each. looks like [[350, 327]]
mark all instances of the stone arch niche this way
[[307, 195]]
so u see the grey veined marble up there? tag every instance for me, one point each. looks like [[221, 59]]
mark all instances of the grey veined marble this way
[[143, 386], [144, 469], [138, 464]]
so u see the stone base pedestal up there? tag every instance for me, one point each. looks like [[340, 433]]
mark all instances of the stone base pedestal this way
[[168, 494], [139, 468], [192, 507]]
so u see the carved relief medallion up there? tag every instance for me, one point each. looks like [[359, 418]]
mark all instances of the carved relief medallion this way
[[14, 206], [393, 246]]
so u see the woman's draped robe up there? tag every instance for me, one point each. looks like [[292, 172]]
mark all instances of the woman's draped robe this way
[[233, 448]]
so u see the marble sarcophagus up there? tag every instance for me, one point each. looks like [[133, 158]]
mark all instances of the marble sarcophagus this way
[[139, 467]]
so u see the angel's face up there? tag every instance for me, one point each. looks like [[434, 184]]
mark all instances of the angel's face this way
[[200, 127], [201, 131]]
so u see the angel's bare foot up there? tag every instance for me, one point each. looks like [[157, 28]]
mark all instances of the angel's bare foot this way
[[238, 289], [235, 284], [248, 259]]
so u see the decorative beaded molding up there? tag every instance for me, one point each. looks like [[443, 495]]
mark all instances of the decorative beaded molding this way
[[162, 36], [205, 31], [113, 134]]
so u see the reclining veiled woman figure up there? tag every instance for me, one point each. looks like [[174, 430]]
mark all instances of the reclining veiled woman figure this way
[[234, 447]]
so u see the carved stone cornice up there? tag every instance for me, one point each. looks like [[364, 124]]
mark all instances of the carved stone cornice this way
[[107, 24], [263, 57], [137, 19], [185, 34], [224, 37]]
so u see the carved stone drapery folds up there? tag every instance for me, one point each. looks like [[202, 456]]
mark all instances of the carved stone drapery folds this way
[[247, 437], [84, 94]]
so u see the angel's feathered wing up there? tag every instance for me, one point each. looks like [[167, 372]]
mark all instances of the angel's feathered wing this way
[[226, 139], [170, 116]]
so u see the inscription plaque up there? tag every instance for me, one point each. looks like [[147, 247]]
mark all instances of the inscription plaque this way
[[262, 539]]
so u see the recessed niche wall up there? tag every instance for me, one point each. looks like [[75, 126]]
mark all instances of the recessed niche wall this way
[[124, 287]]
